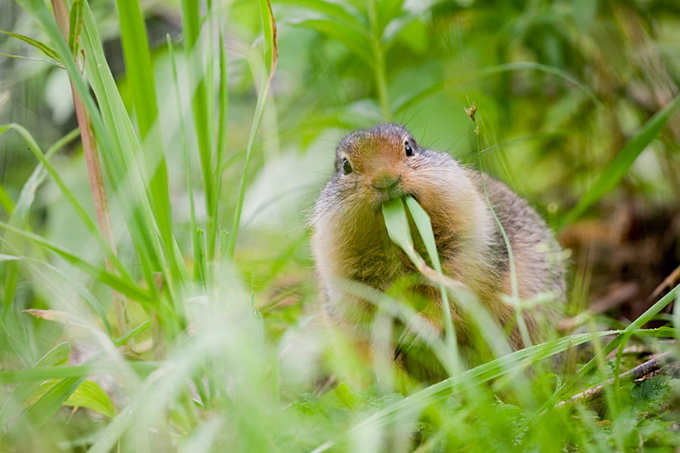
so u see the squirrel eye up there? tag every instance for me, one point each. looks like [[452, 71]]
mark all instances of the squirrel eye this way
[[346, 166], [408, 148]]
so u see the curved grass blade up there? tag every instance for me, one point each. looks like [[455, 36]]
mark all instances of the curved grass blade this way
[[70, 196], [610, 176], [56, 356], [424, 225], [44, 48], [113, 281], [271, 57]]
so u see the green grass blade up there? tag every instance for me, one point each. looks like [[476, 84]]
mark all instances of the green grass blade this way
[[630, 330], [424, 225], [271, 57], [75, 26], [138, 65], [140, 76], [610, 176], [44, 48], [80, 210], [221, 145], [200, 103], [397, 227], [6, 201], [47, 405], [122, 285], [42, 373], [56, 356]]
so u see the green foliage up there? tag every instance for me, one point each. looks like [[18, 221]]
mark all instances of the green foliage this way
[[214, 144]]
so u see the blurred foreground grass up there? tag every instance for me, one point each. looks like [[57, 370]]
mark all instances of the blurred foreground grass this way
[[178, 313]]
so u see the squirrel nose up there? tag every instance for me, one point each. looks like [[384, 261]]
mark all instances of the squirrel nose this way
[[384, 181]]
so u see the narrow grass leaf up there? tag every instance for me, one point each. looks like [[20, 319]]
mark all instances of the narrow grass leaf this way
[[6, 201], [424, 225], [44, 48], [47, 404], [610, 176], [61, 372], [223, 106], [56, 356], [271, 57], [398, 230], [200, 104], [140, 76], [75, 26], [70, 196], [124, 286]]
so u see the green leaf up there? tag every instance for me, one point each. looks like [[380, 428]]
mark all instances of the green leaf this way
[[75, 26], [56, 356], [200, 103], [91, 396], [140, 76], [424, 225], [610, 176], [271, 57], [422, 221], [53, 394], [271, 50], [44, 48], [43, 399], [122, 285], [397, 227], [62, 372], [6, 201]]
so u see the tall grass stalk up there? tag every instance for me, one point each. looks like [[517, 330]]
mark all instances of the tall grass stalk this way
[[96, 177]]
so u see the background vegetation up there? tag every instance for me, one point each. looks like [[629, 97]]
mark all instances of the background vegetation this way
[[162, 299]]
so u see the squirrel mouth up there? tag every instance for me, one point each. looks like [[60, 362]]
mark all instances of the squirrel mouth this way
[[383, 197]]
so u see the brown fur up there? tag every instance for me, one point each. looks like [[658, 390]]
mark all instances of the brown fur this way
[[350, 239]]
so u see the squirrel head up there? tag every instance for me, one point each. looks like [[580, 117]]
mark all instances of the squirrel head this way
[[378, 161], [385, 162]]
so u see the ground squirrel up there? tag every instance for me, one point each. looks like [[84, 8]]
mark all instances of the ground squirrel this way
[[350, 240]]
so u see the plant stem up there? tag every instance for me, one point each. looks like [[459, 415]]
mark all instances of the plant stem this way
[[94, 172]]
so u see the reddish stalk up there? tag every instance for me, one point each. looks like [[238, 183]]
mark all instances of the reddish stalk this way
[[94, 172]]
